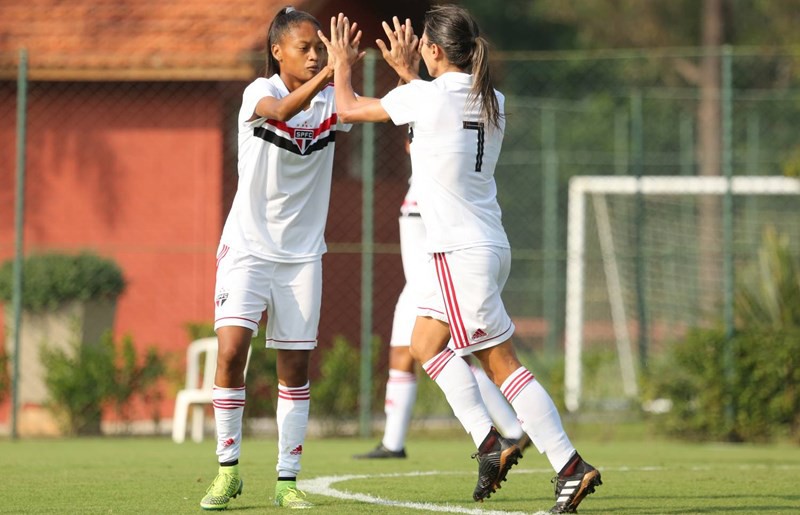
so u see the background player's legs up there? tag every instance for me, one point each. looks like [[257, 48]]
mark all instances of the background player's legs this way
[[401, 393], [501, 412]]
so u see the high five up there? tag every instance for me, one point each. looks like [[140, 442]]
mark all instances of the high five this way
[[457, 124]]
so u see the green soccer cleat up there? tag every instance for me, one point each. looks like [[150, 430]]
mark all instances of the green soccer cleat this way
[[226, 486], [288, 496]]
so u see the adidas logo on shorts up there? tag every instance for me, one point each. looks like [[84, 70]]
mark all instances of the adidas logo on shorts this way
[[478, 334]]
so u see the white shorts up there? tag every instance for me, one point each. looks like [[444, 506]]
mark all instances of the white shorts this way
[[418, 274], [467, 296], [290, 293]]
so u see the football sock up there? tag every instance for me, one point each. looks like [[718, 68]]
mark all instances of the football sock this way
[[291, 416], [228, 406], [401, 392], [539, 416], [454, 377], [501, 412]]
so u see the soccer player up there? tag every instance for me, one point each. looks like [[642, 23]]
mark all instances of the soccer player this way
[[401, 386], [457, 122], [270, 252]]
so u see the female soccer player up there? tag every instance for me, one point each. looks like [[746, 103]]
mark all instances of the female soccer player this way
[[457, 123], [271, 247], [401, 386]]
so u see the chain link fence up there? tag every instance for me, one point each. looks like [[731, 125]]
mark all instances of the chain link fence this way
[[145, 171]]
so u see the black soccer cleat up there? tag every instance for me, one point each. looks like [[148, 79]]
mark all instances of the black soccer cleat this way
[[575, 481], [496, 455], [381, 452]]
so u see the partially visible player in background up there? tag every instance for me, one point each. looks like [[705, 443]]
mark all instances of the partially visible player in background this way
[[270, 252], [401, 386], [458, 124]]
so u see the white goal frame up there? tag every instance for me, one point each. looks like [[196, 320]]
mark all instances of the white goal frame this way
[[580, 187]]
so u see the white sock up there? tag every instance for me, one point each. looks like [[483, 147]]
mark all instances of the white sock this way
[[228, 410], [401, 392], [539, 416], [291, 415], [453, 376], [503, 415]]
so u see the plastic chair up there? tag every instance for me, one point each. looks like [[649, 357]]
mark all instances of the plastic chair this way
[[199, 388]]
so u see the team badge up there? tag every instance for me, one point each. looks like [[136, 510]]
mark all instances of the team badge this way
[[302, 138], [220, 299]]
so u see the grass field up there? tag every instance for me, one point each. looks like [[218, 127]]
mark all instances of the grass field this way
[[154, 475]]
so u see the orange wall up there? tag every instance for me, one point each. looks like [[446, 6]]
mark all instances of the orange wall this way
[[133, 174], [142, 174]]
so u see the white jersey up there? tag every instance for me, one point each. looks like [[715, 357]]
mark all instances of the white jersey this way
[[281, 202], [453, 157]]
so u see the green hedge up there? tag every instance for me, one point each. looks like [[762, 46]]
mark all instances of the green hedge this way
[[52, 279], [763, 386]]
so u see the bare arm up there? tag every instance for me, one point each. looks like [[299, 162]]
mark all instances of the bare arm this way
[[403, 56], [285, 108]]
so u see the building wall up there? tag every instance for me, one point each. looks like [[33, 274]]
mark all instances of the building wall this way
[[144, 174], [131, 173]]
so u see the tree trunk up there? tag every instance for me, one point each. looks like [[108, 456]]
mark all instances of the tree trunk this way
[[709, 146]]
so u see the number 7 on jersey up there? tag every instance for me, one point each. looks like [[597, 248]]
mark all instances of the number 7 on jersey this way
[[477, 126]]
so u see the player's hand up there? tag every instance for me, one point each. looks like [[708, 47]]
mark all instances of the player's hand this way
[[344, 41], [402, 54]]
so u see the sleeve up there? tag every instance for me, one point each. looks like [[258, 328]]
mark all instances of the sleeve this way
[[252, 94], [403, 102]]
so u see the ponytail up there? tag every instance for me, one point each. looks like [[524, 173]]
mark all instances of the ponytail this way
[[482, 86], [457, 34]]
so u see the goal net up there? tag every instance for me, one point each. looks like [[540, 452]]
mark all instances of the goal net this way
[[648, 258]]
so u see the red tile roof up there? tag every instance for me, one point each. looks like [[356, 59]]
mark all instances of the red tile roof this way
[[138, 39]]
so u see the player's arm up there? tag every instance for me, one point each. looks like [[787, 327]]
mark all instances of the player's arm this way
[[402, 54], [285, 108], [349, 107]]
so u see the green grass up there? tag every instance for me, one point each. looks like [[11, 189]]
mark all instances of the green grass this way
[[154, 475]]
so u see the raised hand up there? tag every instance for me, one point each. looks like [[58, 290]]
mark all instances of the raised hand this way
[[403, 51], [343, 44]]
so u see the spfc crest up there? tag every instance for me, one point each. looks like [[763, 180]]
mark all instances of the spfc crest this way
[[303, 138]]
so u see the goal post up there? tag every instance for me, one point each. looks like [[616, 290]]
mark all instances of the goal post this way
[[602, 188]]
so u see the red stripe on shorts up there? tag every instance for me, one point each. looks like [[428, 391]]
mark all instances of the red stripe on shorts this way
[[457, 329]]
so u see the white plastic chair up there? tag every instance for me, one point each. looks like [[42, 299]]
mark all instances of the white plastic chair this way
[[199, 388]]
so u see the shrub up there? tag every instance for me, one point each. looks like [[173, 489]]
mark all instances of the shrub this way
[[335, 395], [52, 279], [762, 389], [82, 382]]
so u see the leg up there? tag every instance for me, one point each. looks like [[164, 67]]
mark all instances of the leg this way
[[228, 399], [503, 415], [540, 419], [401, 392], [292, 331]]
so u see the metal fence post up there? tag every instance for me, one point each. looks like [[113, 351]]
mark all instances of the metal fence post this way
[[19, 225], [367, 246]]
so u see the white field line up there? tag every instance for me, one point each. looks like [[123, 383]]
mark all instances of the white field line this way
[[323, 486]]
